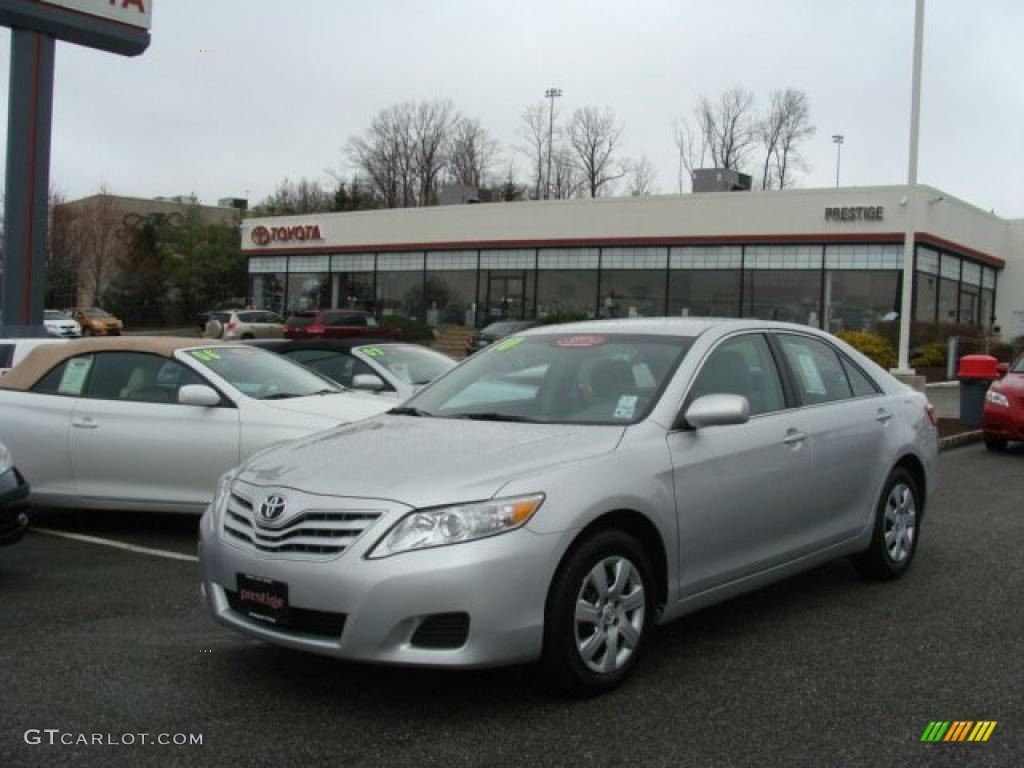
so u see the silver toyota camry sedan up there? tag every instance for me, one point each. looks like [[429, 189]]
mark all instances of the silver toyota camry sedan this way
[[558, 495]]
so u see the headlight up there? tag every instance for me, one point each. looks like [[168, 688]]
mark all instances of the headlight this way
[[997, 398], [6, 460], [427, 528]]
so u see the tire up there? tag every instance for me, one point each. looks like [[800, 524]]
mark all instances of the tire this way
[[995, 444], [600, 558], [897, 514], [86, 333], [247, 336]]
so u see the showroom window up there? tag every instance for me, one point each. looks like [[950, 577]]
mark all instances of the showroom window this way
[[949, 288], [451, 287], [783, 283], [633, 282], [567, 281], [308, 291], [705, 281]]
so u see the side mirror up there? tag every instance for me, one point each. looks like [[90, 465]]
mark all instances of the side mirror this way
[[1002, 369], [717, 411], [198, 394], [368, 382]]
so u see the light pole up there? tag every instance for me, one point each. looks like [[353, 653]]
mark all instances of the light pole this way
[[838, 139], [552, 94]]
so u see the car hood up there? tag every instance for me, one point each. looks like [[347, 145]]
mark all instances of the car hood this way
[[342, 407], [424, 462]]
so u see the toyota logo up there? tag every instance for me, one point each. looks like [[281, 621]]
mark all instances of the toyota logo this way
[[272, 507], [260, 235]]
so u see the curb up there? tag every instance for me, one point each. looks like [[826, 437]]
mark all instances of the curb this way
[[958, 441], [943, 385]]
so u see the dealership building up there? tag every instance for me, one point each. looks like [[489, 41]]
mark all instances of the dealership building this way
[[830, 258]]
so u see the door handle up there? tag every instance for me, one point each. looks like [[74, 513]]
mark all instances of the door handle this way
[[85, 424], [883, 416], [794, 438]]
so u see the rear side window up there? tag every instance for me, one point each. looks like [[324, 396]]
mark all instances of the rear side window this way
[[300, 319], [344, 318], [6, 355], [859, 381], [67, 379], [817, 370], [742, 365], [137, 377]]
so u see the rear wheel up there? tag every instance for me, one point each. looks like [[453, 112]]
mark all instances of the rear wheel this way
[[599, 614], [996, 444], [247, 336], [895, 536]]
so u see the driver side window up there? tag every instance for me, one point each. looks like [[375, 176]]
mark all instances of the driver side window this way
[[742, 365]]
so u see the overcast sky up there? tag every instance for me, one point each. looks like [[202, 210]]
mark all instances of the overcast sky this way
[[286, 83]]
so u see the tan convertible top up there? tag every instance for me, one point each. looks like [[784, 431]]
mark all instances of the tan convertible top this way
[[43, 358]]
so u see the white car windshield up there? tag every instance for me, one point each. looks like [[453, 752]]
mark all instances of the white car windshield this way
[[53, 314], [571, 378], [262, 375], [407, 362]]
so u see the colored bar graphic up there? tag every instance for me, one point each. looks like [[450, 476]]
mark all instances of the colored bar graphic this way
[[958, 730]]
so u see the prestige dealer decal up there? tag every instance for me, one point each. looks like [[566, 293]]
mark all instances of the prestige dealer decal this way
[[855, 213]]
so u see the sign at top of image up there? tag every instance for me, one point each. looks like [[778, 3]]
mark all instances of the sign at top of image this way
[[135, 13]]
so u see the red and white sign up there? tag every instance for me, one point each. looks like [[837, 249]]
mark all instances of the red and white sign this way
[[578, 342], [300, 233], [135, 13]]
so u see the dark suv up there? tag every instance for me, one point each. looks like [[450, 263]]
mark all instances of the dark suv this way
[[335, 324], [493, 332]]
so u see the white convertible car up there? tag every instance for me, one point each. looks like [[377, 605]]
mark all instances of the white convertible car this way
[[151, 423]]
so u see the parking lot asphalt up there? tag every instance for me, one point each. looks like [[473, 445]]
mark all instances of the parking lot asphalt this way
[[824, 669]]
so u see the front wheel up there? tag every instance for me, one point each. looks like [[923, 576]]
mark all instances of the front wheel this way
[[896, 532], [995, 444], [600, 612]]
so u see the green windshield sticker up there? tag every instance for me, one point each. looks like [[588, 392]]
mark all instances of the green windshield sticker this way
[[372, 351], [507, 344], [205, 355], [75, 373]]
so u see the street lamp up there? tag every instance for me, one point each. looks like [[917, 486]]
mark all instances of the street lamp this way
[[552, 94], [838, 139]]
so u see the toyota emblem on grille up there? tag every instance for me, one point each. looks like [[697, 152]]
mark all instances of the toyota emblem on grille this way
[[273, 507]]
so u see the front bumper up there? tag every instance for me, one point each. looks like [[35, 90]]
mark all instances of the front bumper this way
[[1003, 423], [15, 497], [500, 582]]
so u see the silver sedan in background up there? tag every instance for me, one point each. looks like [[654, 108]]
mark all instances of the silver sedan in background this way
[[562, 492]]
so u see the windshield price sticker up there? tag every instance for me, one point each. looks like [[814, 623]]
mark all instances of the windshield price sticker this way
[[372, 351], [205, 355], [507, 344], [626, 407], [579, 342], [73, 380]]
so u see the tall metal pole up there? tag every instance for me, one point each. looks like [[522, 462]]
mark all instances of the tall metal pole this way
[[552, 94], [837, 139], [906, 310], [28, 180]]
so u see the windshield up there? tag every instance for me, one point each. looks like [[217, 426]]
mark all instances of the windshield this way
[[503, 329], [559, 379], [262, 375], [406, 362], [1019, 367], [53, 314], [96, 312]]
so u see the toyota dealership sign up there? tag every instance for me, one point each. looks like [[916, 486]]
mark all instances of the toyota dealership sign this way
[[135, 13]]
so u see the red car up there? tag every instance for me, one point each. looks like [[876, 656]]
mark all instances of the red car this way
[[1003, 418], [335, 324]]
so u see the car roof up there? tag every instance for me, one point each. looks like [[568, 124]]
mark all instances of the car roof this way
[[666, 326], [44, 357]]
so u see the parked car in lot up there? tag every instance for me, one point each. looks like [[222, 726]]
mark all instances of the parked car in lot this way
[[336, 324], [382, 366], [151, 423], [61, 324], [13, 351], [495, 332], [1003, 417], [559, 494], [15, 496], [231, 324], [95, 321]]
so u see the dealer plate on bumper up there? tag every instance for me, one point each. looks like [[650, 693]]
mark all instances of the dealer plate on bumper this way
[[263, 599]]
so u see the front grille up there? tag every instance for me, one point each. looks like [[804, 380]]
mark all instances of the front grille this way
[[442, 631], [310, 532], [309, 622]]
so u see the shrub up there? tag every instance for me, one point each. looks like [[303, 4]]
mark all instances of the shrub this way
[[931, 356], [871, 345], [411, 329], [568, 317]]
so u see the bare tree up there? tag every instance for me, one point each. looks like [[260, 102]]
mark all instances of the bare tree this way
[[386, 155], [532, 133], [566, 179], [594, 136], [692, 148], [289, 198], [472, 153], [94, 235], [431, 128], [63, 263], [796, 127], [769, 131], [727, 127], [641, 176]]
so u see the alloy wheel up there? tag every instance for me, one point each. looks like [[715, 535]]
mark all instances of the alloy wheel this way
[[900, 522], [609, 617]]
